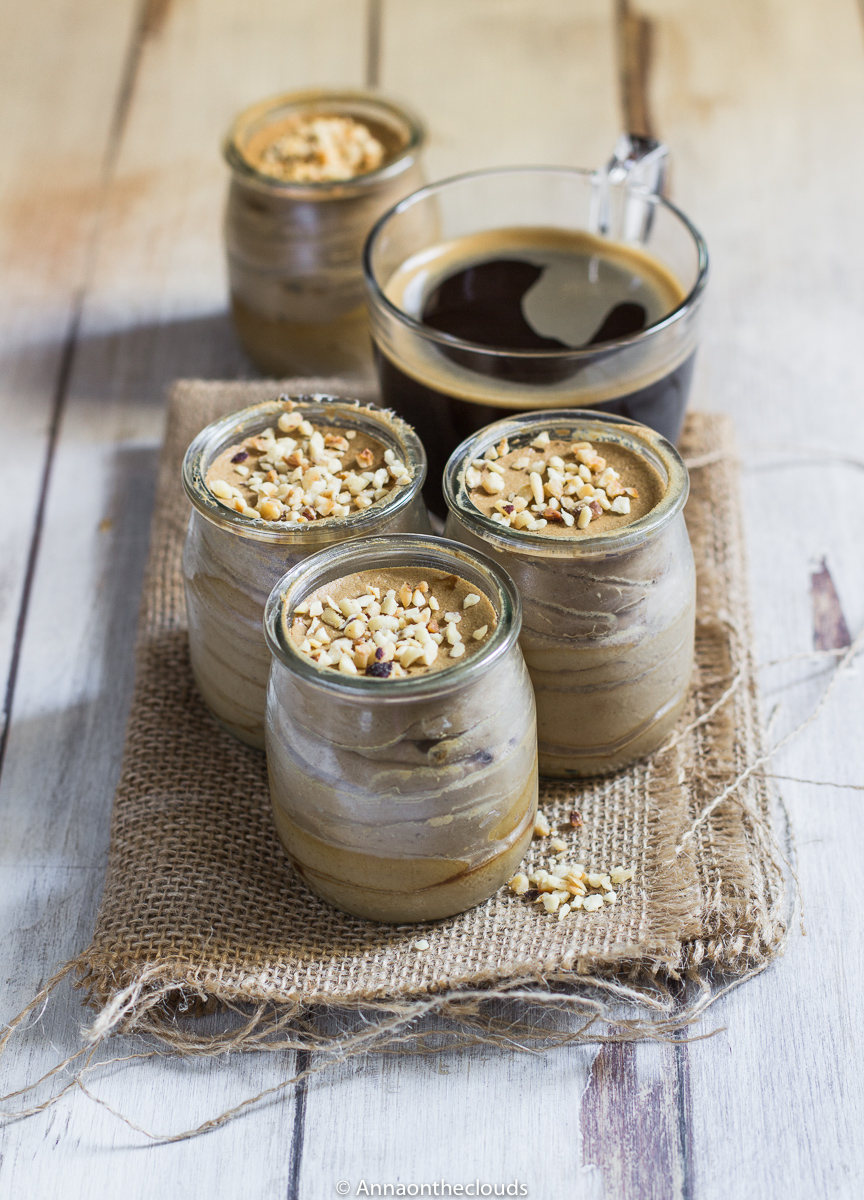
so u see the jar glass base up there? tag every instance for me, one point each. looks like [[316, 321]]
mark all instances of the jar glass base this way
[[401, 890], [603, 760], [283, 349]]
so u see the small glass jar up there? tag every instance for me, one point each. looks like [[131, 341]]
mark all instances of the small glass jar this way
[[231, 562], [294, 249], [402, 799], [609, 619]]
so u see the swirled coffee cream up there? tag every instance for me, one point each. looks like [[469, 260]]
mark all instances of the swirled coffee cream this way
[[401, 741], [586, 515]]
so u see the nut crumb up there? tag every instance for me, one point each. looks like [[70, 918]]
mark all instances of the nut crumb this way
[[542, 828], [567, 885]]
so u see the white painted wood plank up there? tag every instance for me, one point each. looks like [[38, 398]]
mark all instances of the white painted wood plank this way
[[77, 1150], [481, 1115], [50, 195], [760, 102], [505, 82]]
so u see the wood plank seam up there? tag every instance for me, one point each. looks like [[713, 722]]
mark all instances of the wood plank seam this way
[[303, 1063], [685, 1122], [152, 15], [374, 21]]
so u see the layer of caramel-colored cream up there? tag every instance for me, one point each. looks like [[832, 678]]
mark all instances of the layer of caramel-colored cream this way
[[391, 623], [419, 888], [615, 484], [302, 472]]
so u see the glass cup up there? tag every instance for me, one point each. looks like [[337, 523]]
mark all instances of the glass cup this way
[[231, 562], [449, 387], [402, 799], [294, 249], [609, 619]]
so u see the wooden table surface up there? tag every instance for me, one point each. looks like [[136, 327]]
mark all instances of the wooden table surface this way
[[112, 284]]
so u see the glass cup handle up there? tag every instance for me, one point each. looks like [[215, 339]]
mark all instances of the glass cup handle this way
[[637, 168]]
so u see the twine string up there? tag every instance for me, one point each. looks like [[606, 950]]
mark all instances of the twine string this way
[[731, 788]]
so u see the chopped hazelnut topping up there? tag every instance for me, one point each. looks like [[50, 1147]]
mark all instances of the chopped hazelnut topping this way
[[298, 473], [566, 486], [314, 148], [390, 635]]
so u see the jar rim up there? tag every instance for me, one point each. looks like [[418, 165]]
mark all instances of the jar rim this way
[[439, 554], [378, 296], [312, 98], [322, 409], [591, 425]]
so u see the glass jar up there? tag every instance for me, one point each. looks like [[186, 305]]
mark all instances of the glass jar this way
[[609, 619], [294, 249], [402, 799], [231, 562]]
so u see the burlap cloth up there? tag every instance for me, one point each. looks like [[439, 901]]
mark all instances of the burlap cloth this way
[[201, 903]]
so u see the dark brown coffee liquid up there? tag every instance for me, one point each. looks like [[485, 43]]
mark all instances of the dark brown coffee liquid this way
[[540, 291], [443, 421], [485, 303]]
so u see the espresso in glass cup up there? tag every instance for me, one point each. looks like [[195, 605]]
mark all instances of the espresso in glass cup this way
[[522, 288]]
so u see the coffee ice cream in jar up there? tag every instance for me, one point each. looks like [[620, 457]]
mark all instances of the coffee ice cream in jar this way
[[270, 485], [586, 515], [311, 172], [401, 739]]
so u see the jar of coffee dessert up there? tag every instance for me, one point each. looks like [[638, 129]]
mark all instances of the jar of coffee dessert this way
[[401, 738], [585, 513], [311, 172], [269, 486]]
